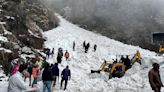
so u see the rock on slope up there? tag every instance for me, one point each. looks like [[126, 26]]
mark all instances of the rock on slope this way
[[21, 24]]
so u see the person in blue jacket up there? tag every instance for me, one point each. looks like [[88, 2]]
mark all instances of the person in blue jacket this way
[[66, 74]]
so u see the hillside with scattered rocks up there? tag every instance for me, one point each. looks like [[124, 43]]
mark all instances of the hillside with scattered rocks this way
[[21, 25]]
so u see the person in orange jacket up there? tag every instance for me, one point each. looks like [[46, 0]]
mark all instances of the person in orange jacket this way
[[35, 72], [66, 55]]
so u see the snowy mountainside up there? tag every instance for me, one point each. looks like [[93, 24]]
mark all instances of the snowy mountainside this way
[[80, 63]]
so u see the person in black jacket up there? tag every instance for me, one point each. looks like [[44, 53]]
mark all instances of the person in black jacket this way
[[29, 69], [47, 78], [122, 59], [66, 74], [47, 53], [127, 63], [52, 52], [60, 55], [95, 47], [84, 44], [55, 72], [87, 47], [73, 45]]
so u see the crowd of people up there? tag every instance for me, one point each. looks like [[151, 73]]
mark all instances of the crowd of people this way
[[37, 69], [87, 46]]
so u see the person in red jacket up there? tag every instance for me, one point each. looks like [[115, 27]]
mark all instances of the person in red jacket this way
[[66, 55]]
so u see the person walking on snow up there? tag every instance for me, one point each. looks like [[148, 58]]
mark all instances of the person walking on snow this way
[[39, 62], [47, 53], [35, 72], [29, 69], [154, 78], [47, 78], [55, 72], [66, 74], [95, 47], [16, 83], [84, 44], [66, 55], [52, 52], [73, 45], [60, 55], [87, 47]]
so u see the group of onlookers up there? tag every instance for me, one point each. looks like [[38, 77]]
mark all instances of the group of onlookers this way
[[38, 71]]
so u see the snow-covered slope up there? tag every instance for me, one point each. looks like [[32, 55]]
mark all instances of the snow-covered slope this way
[[135, 80], [80, 63]]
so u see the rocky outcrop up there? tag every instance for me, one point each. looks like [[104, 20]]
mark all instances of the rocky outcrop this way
[[21, 24]]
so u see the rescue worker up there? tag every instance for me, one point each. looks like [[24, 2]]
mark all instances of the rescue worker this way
[[122, 59], [127, 63]]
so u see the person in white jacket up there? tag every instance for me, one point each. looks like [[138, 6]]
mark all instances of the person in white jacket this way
[[16, 83]]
